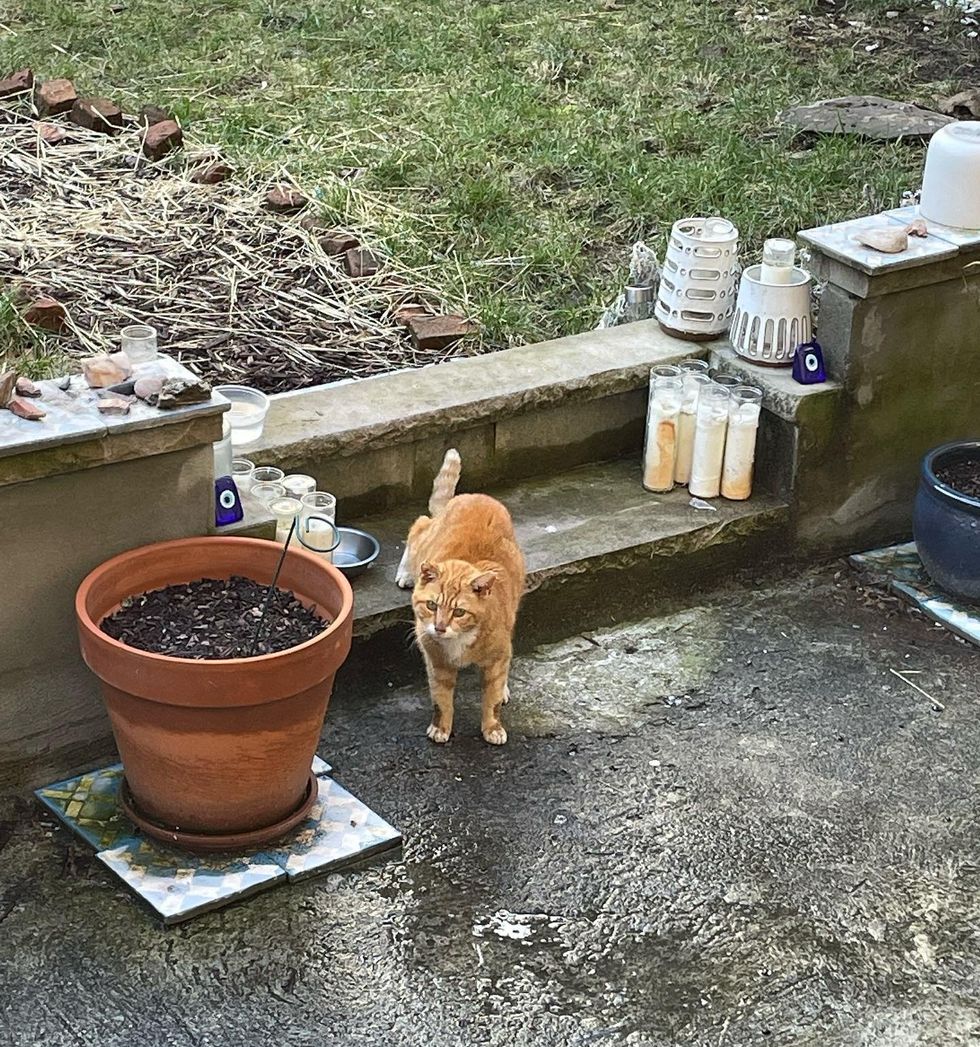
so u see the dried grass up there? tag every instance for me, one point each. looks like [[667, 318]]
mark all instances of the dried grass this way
[[239, 294]]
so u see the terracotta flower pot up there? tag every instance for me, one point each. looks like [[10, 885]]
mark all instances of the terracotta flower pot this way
[[216, 754]]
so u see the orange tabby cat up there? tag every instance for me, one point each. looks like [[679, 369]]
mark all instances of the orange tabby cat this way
[[468, 574]]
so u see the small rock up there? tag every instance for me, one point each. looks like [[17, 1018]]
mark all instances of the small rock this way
[[964, 106], [17, 83], [867, 115], [438, 332], [122, 389], [888, 241], [148, 389], [25, 387], [161, 139], [114, 405], [917, 227], [211, 174], [153, 114], [311, 223], [54, 96], [361, 261], [106, 370], [65, 384], [8, 383], [178, 392], [51, 133], [97, 114], [283, 199], [47, 313], [25, 409], [336, 242]]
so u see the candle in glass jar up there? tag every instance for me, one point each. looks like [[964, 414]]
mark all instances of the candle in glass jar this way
[[709, 442], [660, 450], [743, 427], [286, 510], [694, 381], [298, 484]]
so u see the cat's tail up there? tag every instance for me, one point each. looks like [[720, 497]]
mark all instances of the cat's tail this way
[[444, 485]]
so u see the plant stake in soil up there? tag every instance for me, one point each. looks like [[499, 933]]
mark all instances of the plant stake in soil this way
[[271, 590]]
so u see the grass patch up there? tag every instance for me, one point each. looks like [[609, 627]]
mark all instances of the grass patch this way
[[514, 150]]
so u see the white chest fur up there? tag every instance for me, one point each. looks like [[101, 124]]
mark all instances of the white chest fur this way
[[454, 649]]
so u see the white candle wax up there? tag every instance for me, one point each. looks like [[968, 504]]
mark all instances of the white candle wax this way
[[709, 450], [743, 427], [660, 451]]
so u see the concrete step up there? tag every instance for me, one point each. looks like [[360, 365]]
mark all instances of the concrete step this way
[[593, 538]]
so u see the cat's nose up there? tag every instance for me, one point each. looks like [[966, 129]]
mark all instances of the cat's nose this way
[[440, 627]]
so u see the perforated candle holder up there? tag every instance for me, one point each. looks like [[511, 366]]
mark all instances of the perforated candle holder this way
[[697, 285], [771, 320]]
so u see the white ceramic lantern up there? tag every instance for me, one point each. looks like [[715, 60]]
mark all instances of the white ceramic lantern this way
[[697, 285]]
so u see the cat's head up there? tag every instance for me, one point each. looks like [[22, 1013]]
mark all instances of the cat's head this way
[[450, 598]]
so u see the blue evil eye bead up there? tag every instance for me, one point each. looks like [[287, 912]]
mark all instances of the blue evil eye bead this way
[[808, 366], [227, 504]]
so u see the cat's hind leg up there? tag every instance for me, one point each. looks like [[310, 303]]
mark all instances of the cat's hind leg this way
[[405, 575]]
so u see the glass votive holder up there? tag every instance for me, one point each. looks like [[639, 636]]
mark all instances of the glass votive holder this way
[[241, 473], [664, 371], [267, 474], [694, 382], [286, 510], [709, 441], [660, 446], [139, 342], [694, 366], [744, 411], [298, 484], [726, 381], [317, 523], [267, 492]]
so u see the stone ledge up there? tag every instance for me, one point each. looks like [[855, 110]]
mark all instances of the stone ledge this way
[[781, 395], [376, 413], [597, 516]]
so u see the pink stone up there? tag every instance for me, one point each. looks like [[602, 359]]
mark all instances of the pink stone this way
[[107, 369], [25, 409]]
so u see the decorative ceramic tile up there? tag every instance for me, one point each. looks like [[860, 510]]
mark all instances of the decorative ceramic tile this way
[[179, 885], [340, 830], [89, 806], [837, 241], [901, 567], [958, 237]]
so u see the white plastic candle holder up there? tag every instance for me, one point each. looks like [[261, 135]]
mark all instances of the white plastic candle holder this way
[[771, 320], [697, 285], [950, 194]]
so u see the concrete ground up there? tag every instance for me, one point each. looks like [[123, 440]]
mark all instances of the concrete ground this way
[[727, 825]]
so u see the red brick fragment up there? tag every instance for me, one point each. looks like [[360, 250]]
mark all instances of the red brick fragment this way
[[406, 312], [338, 242], [47, 313], [25, 409], [361, 261], [25, 387], [97, 114], [211, 174], [161, 139], [438, 332], [53, 134], [8, 383], [153, 114], [54, 96], [283, 199], [17, 83]]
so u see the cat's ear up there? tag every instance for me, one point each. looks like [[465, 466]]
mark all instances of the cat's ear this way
[[483, 583], [428, 572]]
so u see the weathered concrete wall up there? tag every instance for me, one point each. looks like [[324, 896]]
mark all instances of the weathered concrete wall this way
[[909, 364], [53, 531]]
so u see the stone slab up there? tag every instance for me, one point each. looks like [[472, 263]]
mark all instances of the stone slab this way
[[780, 393], [837, 241], [869, 116], [568, 524], [963, 239], [343, 420]]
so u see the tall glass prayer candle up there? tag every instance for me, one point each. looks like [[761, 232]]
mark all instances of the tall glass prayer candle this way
[[694, 382], [709, 442], [660, 450], [744, 410]]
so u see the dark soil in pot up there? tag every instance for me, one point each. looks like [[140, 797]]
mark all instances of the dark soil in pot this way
[[962, 476], [213, 618]]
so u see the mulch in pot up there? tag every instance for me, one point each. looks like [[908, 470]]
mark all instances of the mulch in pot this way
[[962, 476], [213, 618]]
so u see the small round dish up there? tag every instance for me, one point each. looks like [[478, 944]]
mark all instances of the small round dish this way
[[356, 552]]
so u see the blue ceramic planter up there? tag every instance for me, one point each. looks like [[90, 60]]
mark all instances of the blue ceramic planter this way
[[947, 524]]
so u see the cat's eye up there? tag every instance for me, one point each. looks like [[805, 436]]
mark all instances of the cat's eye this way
[[432, 605], [458, 612]]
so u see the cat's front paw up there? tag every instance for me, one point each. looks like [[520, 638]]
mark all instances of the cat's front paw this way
[[495, 734], [404, 580], [437, 734]]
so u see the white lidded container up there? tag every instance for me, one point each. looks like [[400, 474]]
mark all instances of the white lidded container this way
[[772, 319], [951, 180], [697, 286]]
